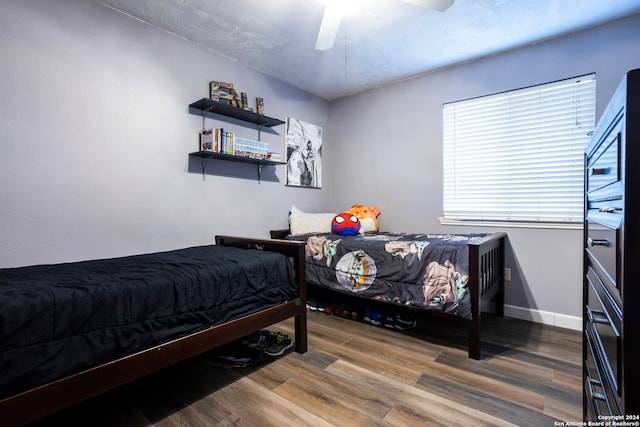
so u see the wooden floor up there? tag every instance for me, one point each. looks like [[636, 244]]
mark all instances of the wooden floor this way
[[356, 374]]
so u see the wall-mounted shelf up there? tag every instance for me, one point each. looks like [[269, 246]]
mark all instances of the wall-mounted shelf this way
[[206, 155], [207, 106]]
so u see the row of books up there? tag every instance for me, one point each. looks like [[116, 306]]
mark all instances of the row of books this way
[[225, 92], [221, 141]]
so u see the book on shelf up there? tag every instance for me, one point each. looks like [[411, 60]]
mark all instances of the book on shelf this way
[[251, 148], [274, 156], [221, 141], [224, 140], [206, 140]]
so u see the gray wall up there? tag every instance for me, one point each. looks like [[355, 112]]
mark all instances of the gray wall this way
[[95, 134], [390, 140], [95, 131]]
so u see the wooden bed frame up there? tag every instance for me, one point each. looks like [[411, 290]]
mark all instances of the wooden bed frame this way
[[46, 399], [486, 282]]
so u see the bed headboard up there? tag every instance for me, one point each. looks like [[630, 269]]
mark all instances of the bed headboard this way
[[279, 234]]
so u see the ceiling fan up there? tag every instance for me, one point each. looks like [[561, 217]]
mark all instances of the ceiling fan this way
[[335, 10]]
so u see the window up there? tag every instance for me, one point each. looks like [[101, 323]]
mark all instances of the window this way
[[518, 155]]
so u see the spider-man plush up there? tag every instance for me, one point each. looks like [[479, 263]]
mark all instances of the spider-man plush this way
[[345, 224]]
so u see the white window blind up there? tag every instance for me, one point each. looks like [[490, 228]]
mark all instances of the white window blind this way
[[518, 155]]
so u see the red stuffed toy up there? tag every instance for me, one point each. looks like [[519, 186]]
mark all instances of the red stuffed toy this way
[[345, 224]]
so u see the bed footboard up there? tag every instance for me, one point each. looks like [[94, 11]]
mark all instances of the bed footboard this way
[[486, 283], [295, 250], [41, 401]]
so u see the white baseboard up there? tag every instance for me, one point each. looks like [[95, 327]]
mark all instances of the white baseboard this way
[[545, 317]]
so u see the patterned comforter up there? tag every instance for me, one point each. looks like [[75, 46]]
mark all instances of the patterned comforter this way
[[426, 271]]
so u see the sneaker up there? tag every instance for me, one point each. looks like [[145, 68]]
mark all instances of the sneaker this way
[[368, 314], [339, 309], [255, 339], [235, 355], [377, 318], [278, 343], [404, 322], [269, 339], [313, 305], [390, 321], [347, 312], [330, 309]]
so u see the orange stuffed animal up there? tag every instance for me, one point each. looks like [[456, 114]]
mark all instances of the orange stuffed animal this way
[[368, 217]]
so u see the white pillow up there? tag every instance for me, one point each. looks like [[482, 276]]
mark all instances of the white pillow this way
[[305, 223]]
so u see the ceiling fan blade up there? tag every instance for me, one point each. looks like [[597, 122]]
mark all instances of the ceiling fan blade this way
[[328, 28], [439, 5]]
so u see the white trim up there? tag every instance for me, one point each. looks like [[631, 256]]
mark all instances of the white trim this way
[[544, 317], [513, 224]]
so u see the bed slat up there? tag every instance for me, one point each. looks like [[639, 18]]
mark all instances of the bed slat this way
[[486, 282]]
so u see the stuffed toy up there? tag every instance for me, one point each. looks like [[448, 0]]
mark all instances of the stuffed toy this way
[[345, 224], [368, 217]]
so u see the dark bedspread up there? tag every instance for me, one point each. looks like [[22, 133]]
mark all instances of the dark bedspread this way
[[57, 319], [427, 271]]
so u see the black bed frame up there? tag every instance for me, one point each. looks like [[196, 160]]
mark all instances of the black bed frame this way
[[43, 400], [486, 282]]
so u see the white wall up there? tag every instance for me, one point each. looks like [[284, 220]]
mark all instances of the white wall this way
[[390, 141], [95, 134]]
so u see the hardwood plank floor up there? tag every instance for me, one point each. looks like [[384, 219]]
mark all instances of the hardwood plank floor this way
[[356, 374]]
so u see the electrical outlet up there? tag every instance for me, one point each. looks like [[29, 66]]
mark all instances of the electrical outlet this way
[[507, 274]]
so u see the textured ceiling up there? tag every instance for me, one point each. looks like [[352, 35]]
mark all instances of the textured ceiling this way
[[387, 41]]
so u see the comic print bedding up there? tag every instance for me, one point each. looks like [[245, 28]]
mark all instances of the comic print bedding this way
[[426, 271]]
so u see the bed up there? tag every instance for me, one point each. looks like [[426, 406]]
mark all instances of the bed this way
[[71, 331], [456, 274]]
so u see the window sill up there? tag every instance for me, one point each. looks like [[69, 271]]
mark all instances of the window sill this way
[[513, 224]]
